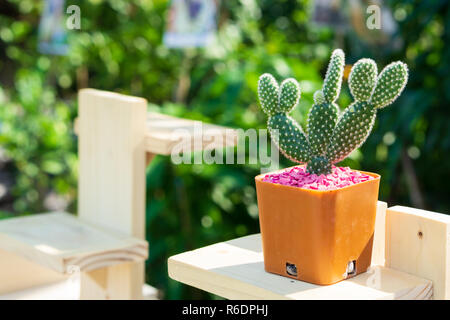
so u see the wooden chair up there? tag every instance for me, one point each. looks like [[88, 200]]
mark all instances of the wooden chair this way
[[100, 253]]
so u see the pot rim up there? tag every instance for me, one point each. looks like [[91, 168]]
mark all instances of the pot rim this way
[[259, 178]]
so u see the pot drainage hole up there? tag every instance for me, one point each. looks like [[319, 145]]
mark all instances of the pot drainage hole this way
[[291, 269], [351, 268]]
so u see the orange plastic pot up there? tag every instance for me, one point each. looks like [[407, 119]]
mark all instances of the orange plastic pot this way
[[313, 235]]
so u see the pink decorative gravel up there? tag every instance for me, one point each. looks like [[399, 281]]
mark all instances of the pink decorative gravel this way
[[298, 177]]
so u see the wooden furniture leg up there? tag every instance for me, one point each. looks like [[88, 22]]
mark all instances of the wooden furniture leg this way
[[111, 146]]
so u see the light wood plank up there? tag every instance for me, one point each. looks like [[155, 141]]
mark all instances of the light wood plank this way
[[68, 289], [60, 240], [418, 242], [62, 290], [379, 237], [112, 161], [235, 270], [164, 132], [93, 285], [18, 273], [111, 146]]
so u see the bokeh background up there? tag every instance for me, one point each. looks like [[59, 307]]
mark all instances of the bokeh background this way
[[119, 48]]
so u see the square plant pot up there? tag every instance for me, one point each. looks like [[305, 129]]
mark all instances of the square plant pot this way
[[321, 237]]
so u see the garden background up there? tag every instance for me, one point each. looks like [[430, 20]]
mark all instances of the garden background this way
[[119, 48]]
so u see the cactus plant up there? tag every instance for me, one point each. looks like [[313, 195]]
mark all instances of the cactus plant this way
[[330, 136]]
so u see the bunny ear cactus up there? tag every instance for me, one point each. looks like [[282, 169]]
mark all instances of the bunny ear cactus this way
[[330, 137]]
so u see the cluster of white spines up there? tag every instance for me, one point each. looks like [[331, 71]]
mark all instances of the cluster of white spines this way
[[289, 95], [275, 99], [333, 77], [362, 79], [319, 165], [268, 93], [352, 129], [322, 119], [390, 84], [289, 137], [319, 98]]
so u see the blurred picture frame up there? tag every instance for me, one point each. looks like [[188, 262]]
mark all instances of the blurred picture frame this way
[[52, 36], [191, 23]]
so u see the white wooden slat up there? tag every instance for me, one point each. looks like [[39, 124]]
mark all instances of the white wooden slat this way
[[379, 237], [60, 240], [68, 289], [418, 242], [18, 273], [165, 132]]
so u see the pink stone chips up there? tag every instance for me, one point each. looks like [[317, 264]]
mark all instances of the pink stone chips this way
[[298, 177]]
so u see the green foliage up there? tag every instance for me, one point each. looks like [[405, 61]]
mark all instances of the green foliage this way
[[37, 137], [330, 141]]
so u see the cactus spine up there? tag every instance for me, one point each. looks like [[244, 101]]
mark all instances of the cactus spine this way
[[330, 137]]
